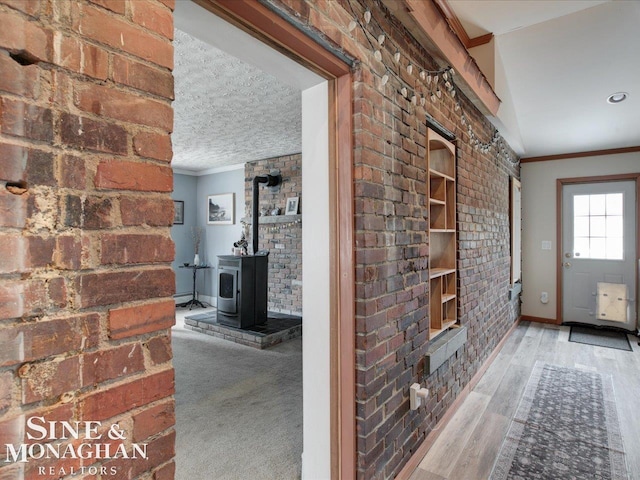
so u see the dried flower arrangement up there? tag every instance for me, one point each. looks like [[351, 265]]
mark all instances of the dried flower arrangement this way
[[196, 236]]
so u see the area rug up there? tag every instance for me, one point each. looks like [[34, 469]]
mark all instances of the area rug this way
[[566, 427], [600, 338]]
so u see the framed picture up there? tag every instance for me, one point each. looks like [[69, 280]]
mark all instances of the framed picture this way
[[221, 209], [292, 206], [178, 212]]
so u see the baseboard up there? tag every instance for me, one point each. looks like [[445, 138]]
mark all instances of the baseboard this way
[[211, 300], [431, 438], [529, 318], [181, 297]]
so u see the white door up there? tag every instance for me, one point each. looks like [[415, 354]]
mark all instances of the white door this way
[[599, 254]]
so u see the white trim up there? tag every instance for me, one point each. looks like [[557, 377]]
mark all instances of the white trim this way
[[209, 171], [180, 171], [316, 311]]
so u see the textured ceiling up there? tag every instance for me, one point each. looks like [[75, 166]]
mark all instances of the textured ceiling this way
[[228, 112]]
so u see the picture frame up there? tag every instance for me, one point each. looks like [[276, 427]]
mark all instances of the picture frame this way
[[292, 206], [221, 209], [178, 212]]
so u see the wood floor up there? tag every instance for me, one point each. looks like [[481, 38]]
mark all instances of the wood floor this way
[[469, 444]]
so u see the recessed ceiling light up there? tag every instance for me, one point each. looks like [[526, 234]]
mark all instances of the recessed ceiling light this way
[[617, 97]]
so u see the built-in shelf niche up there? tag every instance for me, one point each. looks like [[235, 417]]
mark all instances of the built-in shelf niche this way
[[443, 300]]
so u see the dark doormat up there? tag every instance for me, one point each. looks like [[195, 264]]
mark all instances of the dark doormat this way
[[600, 338]]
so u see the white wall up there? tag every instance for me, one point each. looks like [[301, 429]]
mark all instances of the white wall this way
[[316, 456], [506, 120], [217, 239], [539, 221], [184, 188]]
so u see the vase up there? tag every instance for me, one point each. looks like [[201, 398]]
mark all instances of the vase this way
[[196, 260]]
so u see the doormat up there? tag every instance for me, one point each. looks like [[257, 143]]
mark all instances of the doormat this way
[[566, 426], [600, 338]]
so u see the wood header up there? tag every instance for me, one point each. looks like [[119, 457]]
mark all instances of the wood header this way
[[425, 20], [266, 25], [592, 153], [458, 29]]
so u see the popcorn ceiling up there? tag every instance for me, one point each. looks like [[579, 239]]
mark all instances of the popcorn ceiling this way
[[228, 112]]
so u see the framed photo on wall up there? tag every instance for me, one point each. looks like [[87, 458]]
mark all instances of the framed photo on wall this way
[[178, 212], [221, 209], [292, 206]]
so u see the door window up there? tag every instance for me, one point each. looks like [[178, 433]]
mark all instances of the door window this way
[[597, 226]]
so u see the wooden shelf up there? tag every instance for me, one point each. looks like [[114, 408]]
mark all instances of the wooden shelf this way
[[448, 296], [446, 325], [440, 174], [439, 272], [441, 188]]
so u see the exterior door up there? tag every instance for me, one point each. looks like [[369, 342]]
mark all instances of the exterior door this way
[[599, 254]]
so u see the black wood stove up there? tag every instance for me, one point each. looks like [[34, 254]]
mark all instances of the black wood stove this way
[[242, 290], [242, 280]]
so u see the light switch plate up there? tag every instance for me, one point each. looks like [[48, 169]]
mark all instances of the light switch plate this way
[[546, 244]]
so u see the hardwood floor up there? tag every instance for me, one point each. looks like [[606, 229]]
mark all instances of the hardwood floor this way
[[468, 446]]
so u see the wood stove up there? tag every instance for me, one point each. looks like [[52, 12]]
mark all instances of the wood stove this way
[[243, 280], [242, 290]]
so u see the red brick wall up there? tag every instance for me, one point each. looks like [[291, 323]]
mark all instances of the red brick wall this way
[[85, 249], [284, 241], [391, 241], [84, 127]]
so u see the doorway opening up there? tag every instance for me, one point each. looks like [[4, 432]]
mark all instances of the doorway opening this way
[[319, 237]]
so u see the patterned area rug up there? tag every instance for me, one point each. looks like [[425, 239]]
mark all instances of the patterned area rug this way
[[566, 427]]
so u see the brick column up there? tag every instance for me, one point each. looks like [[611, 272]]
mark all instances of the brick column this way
[[85, 246], [284, 241]]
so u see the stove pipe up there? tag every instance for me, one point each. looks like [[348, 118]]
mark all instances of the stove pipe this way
[[270, 181]]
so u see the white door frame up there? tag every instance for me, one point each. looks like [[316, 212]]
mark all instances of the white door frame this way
[[560, 183]]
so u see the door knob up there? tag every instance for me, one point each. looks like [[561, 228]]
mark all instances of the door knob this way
[[568, 255], [567, 264]]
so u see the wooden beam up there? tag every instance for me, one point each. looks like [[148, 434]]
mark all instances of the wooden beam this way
[[430, 27], [344, 273], [264, 24], [591, 153], [453, 21], [456, 25], [481, 40]]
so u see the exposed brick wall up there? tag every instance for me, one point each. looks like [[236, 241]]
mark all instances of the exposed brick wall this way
[[84, 127], [391, 242], [284, 241], [85, 248]]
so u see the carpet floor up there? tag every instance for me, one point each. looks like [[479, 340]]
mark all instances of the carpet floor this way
[[238, 409], [565, 427]]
